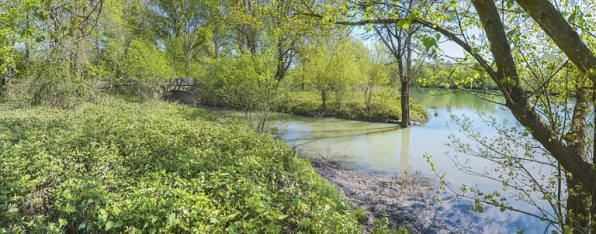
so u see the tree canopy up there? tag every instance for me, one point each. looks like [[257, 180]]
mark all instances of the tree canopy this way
[[539, 54]]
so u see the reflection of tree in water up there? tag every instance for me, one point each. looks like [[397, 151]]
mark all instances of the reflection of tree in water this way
[[460, 100], [404, 157]]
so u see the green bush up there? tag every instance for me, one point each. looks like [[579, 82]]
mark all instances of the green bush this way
[[155, 167]]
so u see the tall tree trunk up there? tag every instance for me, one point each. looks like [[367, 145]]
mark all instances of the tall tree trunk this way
[[324, 99], [577, 195], [80, 41], [216, 46], [516, 99], [404, 73], [405, 82], [593, 193], [405, 103], [279, 69], [518, 103], [79, 51]]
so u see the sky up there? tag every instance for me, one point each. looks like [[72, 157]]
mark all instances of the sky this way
[[449, 48]]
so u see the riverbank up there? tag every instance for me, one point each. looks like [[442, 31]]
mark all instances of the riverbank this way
[[384, 107], [406, 200]]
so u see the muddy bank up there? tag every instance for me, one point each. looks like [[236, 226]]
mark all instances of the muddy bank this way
[[406, 200]]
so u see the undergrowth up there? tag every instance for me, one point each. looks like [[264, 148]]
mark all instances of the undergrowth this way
[[153, 167]]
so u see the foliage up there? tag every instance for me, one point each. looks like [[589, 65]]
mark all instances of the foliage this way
[[54, 85], [513, 165], [360, 215], [331, 68], [537, 81], [245, 83], [237, 82], [155, 167], [385, 106], [7, 14], [181, 27], [452, 76], [381, 226], [145, 61], [375, 72]]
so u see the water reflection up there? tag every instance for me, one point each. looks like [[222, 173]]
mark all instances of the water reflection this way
[[404, 156]]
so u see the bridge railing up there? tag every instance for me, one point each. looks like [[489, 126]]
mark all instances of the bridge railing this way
[[183, 82]]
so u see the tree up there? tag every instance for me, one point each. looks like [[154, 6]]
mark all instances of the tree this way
[[145, 61], [398, 37], [331, 67], [121, 23], [7, 14], [66, 26], [393, 23], [566, 144], [181, 24], [374, 71]]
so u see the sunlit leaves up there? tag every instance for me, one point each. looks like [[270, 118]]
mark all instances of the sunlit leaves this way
[[122, 167], [403, 24], [331, 66], [144, 61]]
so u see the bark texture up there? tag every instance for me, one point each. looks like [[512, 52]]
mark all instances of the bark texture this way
[[572, 156], [558, 29], [517, 101]]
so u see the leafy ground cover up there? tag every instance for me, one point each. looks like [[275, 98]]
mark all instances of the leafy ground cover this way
[[384, 106], [154, 167]]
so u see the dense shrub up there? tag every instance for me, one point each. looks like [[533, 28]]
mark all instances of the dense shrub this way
[[155, 167]]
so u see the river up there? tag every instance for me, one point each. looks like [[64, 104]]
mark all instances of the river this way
[[388, 149]]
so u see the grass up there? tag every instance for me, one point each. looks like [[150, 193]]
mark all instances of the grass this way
[[117, 166]]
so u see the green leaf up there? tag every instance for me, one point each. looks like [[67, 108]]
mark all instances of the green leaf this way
[[81, 226], [232, 228], [429, 42], [70, 208], [403, 24], [119, 224], [172, 218], [475, 50], [109, 225], [282, 217], [572, 17], [62, 222]]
